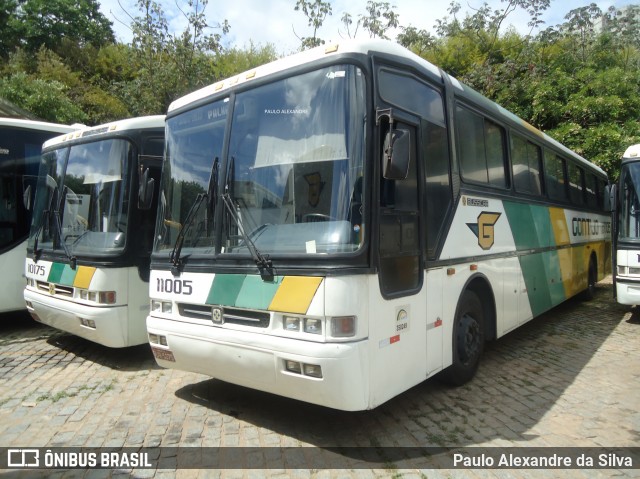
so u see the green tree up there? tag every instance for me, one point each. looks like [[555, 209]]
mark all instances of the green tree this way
[[235, 60], [316, 12], [47, 22], [9, 36], [45, 99], [192, 50], [380, 18]]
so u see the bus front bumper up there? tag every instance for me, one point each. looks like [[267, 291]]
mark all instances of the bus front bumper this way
[[266, 362], [109, 326], [627, 291]]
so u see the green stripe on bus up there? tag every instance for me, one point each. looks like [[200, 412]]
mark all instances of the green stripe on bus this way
[[55, 273], [543, 280], [225, 289], [530, 225], [68, 276], [257, 293], [61, 273]]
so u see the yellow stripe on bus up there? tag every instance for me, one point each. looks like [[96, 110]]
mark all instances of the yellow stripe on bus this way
[[295, 294], [84, 276], [559, 225]]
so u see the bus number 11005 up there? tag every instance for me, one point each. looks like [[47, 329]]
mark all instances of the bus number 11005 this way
[[176, 286]]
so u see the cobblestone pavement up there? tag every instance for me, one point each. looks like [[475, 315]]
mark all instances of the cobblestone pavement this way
[[568, 378]]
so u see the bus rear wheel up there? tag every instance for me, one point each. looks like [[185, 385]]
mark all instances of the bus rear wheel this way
[[468, 340]]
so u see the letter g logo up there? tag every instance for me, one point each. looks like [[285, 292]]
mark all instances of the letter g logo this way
[[484, 229]]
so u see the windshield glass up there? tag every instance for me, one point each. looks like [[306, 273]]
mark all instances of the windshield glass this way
[[630, 202], [88, 198], [293, 172], [192, 157]]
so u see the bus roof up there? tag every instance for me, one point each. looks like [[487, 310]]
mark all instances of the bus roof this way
[[37, 125], [138, 123], [384, 47], [632, 152], [302, 58]]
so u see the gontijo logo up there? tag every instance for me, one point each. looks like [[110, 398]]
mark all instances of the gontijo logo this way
[[484, 229]]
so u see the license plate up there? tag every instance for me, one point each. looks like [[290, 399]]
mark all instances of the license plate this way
[[163, 354]]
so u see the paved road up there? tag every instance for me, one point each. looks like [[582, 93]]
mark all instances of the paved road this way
[[570, 378]]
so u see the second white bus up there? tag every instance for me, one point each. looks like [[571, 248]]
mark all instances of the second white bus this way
[[88, 252]]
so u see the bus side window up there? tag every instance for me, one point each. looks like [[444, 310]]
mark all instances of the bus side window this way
[[576, 184], [526, 164], [438, 196], [482, 152], [555, 176], [591, 190]]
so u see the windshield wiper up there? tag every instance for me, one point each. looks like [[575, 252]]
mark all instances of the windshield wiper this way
[[36, 253], [264, 264], [72, 259], [56, 215], [188, 221]]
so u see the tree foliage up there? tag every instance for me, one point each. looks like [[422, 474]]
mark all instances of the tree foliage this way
[[316, 12], [32, 24]]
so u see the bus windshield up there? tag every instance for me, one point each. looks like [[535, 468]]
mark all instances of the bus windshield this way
[[292, 174], [82, 199], [629, 228]]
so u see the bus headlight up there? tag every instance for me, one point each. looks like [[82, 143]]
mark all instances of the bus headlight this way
[[313, 326], [158, 306], [312, 370], [291, 323]]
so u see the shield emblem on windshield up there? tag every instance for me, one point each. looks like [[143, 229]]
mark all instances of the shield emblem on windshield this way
[[314, 180]]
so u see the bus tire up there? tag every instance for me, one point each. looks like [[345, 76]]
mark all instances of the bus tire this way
[[468, 340], [592, 278]]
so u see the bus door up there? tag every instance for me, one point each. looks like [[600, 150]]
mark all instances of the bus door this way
[[432, 171]]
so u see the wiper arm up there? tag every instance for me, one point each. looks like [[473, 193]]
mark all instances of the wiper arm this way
[[264, 264], [72, 259], [188, 221], [36, 253]]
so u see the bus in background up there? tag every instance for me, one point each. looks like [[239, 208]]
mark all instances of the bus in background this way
[[340, 225], [627, 229], [20, 146], [91, 236]]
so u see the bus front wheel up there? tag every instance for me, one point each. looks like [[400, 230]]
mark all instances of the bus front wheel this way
[[468, 340]]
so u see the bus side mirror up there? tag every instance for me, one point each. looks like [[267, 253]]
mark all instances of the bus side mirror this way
[[145, 191], [26, 198], [396, 154], [610, 199]]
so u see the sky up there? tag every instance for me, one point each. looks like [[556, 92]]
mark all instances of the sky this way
[[276, 21]]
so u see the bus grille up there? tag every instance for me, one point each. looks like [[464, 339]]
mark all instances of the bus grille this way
[[55, 289], [244, 317]]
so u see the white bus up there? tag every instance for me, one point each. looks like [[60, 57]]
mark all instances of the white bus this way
[[20, 145], [627, 229], [340, 225], [87, 264]]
